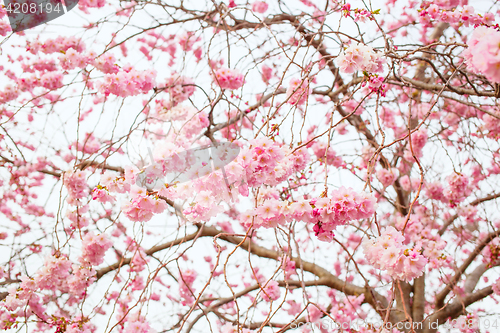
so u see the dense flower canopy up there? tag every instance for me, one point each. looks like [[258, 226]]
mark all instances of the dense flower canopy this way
[[265, 166]]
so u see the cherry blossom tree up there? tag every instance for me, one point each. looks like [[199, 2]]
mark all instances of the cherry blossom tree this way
[[266, 166]]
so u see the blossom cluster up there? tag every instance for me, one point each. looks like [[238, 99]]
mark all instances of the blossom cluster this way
[[77, 187], [72, 59], [180, 88], [325, 214], [360, 15], [360, 57], [138, 326], [129, 83], [81, 278], [61, 43], [496, 287], [458, 188], [442, 11], [228, 78], [83, 5], [8, 94], [106, 63], [388, 252], [142, 207], [265, 162], [4, 26], [376, 84], [492, 125], [348, 310], [59, 273], [267, 73], [344, 205], [51, 80], [268, 162], [483, 51], [387, 176], [115, 184], [101, 194], [94, 248]]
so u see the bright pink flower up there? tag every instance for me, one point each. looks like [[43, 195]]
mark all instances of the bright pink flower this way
[[434, 191], [229, 78]]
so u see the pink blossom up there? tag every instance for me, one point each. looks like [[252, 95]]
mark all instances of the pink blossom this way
[[125, 84], [267, 73], [81, 278], [51, 80], [179, 88], [482, 52], [101, 195], [53, 274], [271, 291], [298, 91], [260, 7], [360, 57], [496, 287], [458, 188], [106, 63], [135, 213], [186, 288], [434, 191], [387, 252], [76, 184], [228, 78], [94, 248], [387, 177]]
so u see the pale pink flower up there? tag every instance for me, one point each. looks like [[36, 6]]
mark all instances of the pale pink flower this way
[[271, 291], [259, 7], [94, 248]]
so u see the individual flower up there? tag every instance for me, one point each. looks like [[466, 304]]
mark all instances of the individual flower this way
[[298, 91], [271, 291], [260, 7]]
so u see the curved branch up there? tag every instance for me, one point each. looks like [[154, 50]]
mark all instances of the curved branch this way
[[473, 203], [440, 297]]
